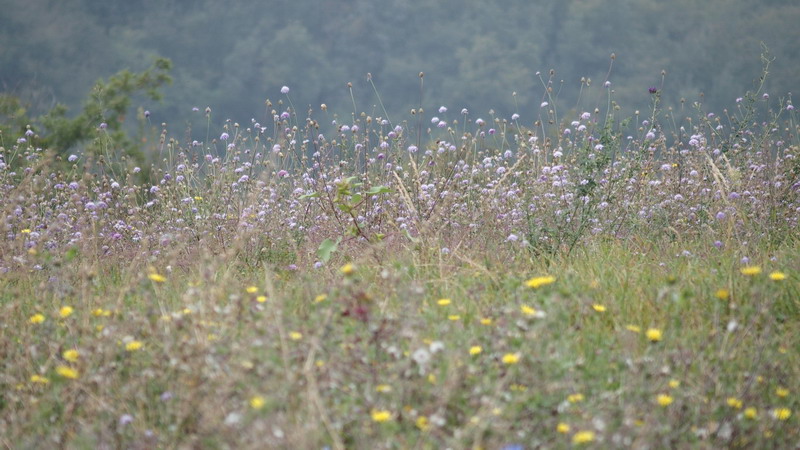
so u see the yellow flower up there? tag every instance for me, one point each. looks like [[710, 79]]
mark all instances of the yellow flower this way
[[320, 298], [38, 379], [36, 318], [486, 321], [634, 328], [674, 384], [598, 307], [653, 334], [257, 402], [511, 358], [664, 399], [156, 278], [777, 276], [583, 437], [527, 310], [750, 413], [781, 392], [537, 282], [71, 355], [454, 317], [67, 372], [261, 298], [132, 346], [65, 311], [475, 350], [381, 415], [252, 289], [722, 294], [750, 271], [25, 231], [383, 388], [347, 269], [575, 398], [443, 301], [782, 413], [422, 423], [734, 402], [562, 428], [295, 335]]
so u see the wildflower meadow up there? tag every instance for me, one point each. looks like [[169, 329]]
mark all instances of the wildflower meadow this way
[[448, 279]]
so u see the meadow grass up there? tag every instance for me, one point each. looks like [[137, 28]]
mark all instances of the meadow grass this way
[[474, 285]]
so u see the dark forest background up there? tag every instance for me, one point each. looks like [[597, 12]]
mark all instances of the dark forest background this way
[[232, 56]]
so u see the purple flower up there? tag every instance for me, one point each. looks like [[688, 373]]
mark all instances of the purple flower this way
[[442, 109], [224, 136], [72, 158], [480, 122], [491, 131], [653, 89], [283, 174], [146, 114], [514, 116], [103, 126], [412, 149], [285, 90], [29, 132], [607, 84], [125, 419]]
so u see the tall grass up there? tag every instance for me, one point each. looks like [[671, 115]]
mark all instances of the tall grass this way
[[540, 282]]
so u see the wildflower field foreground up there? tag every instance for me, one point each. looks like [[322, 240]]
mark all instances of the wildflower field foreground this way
[[443, 282]]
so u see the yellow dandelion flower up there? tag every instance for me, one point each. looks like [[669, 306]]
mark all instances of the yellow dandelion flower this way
[[198, 198], [782, 413], [97, 312], [562, 428], [251, 289], [782, 392], [257, 402], [527, 310], [67, 372], [537, 282], [422, 423], [750, 413], [454, 317], [486, 321], [25, 231], [157, 278], [431, 378], [36, 318], [664, 399], [261, 298], [443, 301], [510, 358], [295, 335], [598, 307], [475, 350], [583, 437], [750, 271], [65, 311], [380, 416], [734, 402], [320, 298], [71, 355], [634, 328], [722, 294], [777, 276], [653, 334], [38, 379], [674, 384], [347, 269], [575, 398], [383, 388], [132, 346]]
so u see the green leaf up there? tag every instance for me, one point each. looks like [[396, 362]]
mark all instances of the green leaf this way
[[311, 195], [355, 199], [375, 190], [327, 248]]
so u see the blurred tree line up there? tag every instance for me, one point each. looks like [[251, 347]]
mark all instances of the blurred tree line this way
[[232, 56]]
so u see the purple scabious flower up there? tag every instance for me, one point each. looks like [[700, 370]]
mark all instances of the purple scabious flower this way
[[653, 90], [412, 149], [285, 90], [224, 136]]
